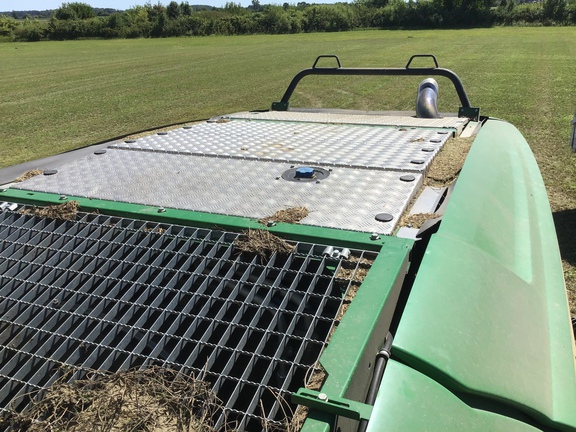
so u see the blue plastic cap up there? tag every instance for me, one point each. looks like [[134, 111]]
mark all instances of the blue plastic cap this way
[[304, 172]]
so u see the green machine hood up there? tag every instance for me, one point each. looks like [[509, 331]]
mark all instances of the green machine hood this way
[[487, 317]]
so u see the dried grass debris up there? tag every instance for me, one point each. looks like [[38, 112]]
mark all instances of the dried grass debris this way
[[354, 270], [28, 175], [290, 215], [262, 243], [65, 211], [448, 163], [154, 400], [416, 220], [315, 378]]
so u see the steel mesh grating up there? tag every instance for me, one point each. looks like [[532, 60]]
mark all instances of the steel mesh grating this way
[[110, 293]]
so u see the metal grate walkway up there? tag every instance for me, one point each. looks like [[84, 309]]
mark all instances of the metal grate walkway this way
[[109, 293]]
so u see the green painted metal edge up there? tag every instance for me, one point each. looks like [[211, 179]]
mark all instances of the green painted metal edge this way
[[488, 314], [297, 232], [410, 401], [349, 357]]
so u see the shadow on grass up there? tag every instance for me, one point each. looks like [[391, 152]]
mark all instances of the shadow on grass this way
[[565, 222]]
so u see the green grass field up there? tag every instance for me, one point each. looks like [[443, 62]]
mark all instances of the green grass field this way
[[57, 96]]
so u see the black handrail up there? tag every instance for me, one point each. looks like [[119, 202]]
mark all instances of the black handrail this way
[[407, 71]]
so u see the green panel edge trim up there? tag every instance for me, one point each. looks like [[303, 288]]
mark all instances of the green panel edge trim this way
[[361, 333], [333, 405], [296, 232]]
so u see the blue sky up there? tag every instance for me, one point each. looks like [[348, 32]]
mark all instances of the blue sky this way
[[10, 5]]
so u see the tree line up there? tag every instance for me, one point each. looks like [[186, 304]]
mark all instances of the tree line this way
[[79, 20]]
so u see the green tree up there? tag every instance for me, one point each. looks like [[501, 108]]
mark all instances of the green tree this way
[[172, 10], [185, 9], [7, 25], [554, 10], [75, 10]]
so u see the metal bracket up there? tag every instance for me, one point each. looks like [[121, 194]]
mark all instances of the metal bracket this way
[[8, 206], [469, 112], [407, 71], [279, 106], [332, 405]]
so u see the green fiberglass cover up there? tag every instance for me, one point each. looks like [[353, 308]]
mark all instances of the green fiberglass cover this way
[[487, 316]]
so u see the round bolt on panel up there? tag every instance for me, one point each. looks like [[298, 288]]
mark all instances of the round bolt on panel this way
[[323, 397], [374, 236], [130, 141], [187, 127], [427, 149], [50, 172], [161, 210], [63, 197], [100, 152], [417, 161], [384, 217], [442, 133], [162, 133], [408, 178], [435, 140]]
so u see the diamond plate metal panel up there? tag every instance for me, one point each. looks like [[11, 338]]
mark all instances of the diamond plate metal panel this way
[[348, 199], [385, 148], [360, 119]]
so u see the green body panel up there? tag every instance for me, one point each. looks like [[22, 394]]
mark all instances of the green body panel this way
[[410, 401], [488, 314], [202, 220], [349, 357]]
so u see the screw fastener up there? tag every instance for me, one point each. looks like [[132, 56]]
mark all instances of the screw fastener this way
[[323, 397]]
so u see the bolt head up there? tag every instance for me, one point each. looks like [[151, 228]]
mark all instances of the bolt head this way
[[323, 397]]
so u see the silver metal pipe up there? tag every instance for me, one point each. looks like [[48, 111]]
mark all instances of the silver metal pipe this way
[[426, 101]]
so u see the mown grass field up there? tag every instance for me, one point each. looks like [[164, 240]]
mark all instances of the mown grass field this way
[[56, 96]]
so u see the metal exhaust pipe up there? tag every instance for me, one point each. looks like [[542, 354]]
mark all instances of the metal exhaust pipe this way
[[427, 99]]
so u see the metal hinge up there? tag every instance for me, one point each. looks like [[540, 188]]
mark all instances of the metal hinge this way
[[332, 405]]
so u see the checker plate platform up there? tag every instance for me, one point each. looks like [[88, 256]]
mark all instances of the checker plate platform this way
[[234, 166]]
